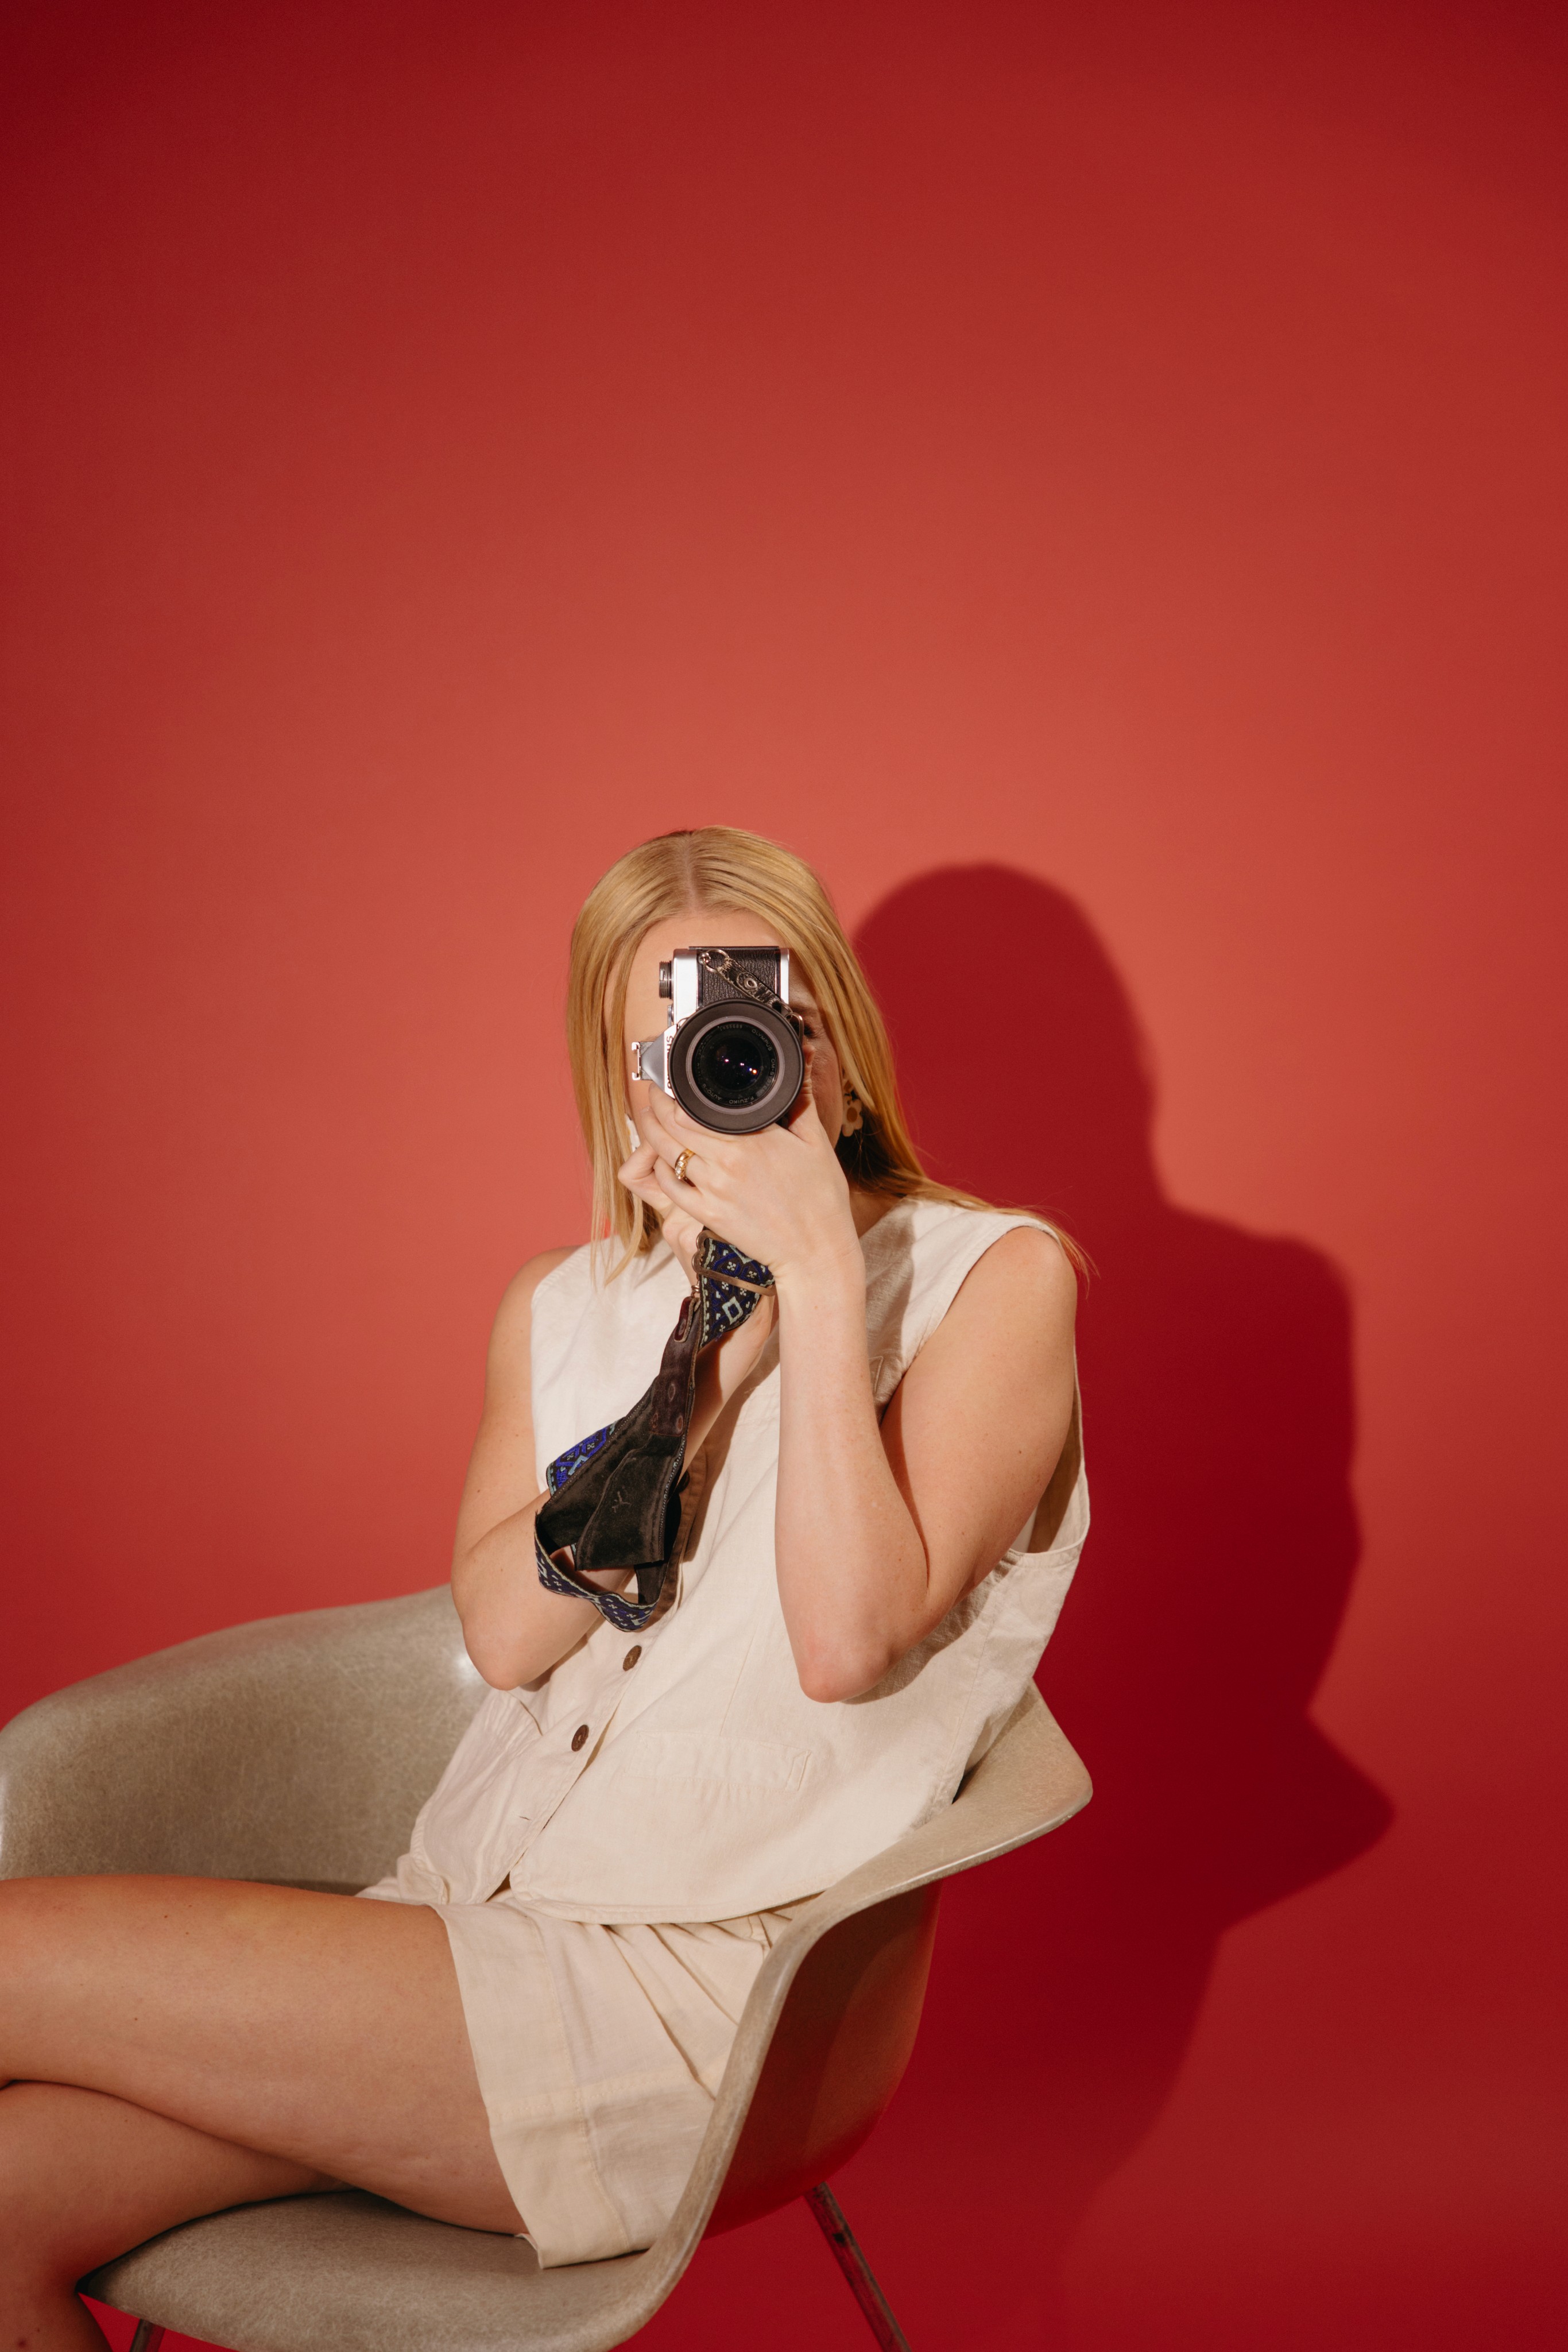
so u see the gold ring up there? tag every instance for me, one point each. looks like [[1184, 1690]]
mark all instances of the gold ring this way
[[681, 1159]]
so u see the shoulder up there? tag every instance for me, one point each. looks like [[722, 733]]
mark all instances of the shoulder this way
[[958, 1251], [975, 1275], [1002, 1346], [1023, 1270]]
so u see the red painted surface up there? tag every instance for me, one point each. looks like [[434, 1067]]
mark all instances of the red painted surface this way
[[1092, 481]]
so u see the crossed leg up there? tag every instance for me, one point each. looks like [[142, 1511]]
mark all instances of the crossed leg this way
[[172, 2046]]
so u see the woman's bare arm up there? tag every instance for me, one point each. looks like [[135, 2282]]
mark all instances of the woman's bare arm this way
[[880, 1528]]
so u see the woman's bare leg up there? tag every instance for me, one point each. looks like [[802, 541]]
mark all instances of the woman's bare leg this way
[[245, 2041], [83, 2177]]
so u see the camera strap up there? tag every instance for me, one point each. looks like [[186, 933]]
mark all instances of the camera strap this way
[[615, 1498]]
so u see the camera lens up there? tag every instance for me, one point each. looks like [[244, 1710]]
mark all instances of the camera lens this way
[[734, 1068], [734, 1065]]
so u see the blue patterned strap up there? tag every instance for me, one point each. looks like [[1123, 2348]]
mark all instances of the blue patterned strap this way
[[615, 1498]]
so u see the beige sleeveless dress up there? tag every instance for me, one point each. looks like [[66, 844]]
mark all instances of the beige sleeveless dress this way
[[614, 1849]]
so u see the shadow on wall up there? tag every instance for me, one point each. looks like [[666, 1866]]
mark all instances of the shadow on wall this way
[[1218, 1421]]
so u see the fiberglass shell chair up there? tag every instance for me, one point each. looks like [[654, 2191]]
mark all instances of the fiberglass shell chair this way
[[297, 1752]]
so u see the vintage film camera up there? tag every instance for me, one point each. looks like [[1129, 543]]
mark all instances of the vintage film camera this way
[[731, 1053]]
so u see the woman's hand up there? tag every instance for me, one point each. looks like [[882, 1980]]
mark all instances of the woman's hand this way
[[779, 1196]]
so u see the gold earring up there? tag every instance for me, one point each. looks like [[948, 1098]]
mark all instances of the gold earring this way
[[854, 1110]]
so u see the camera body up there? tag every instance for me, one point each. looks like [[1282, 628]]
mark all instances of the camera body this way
[[731, 1051]]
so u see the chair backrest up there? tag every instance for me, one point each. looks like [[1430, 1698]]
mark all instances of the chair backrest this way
[[296, 1750], [837, 2056]]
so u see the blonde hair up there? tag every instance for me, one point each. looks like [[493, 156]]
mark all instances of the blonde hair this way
[[719, 866]]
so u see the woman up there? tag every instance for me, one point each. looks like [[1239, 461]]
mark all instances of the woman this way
[[523, 2028]]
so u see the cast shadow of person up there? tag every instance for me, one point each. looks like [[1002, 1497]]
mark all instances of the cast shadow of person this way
[[1219, 1422]]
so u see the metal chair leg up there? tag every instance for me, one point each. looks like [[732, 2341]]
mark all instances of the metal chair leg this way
[[147, 2338], [856, 2268]]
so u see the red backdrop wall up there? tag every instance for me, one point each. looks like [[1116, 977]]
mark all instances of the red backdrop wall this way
[[1092, 480]]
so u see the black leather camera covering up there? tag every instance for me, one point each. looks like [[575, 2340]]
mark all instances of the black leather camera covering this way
[[761, 964]]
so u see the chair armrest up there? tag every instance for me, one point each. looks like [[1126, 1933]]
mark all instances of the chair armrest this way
[[296, 1750]]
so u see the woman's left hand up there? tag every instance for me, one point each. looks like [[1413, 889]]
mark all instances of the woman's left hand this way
[[780, 1196]]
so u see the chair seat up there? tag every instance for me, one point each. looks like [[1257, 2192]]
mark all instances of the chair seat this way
[[347, 2273]]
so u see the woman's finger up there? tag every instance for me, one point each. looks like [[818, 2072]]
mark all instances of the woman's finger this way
[[679, 1187], [652, 1198], [655, 1127], [643, 1116], [674, 1120], [639, 1176]]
